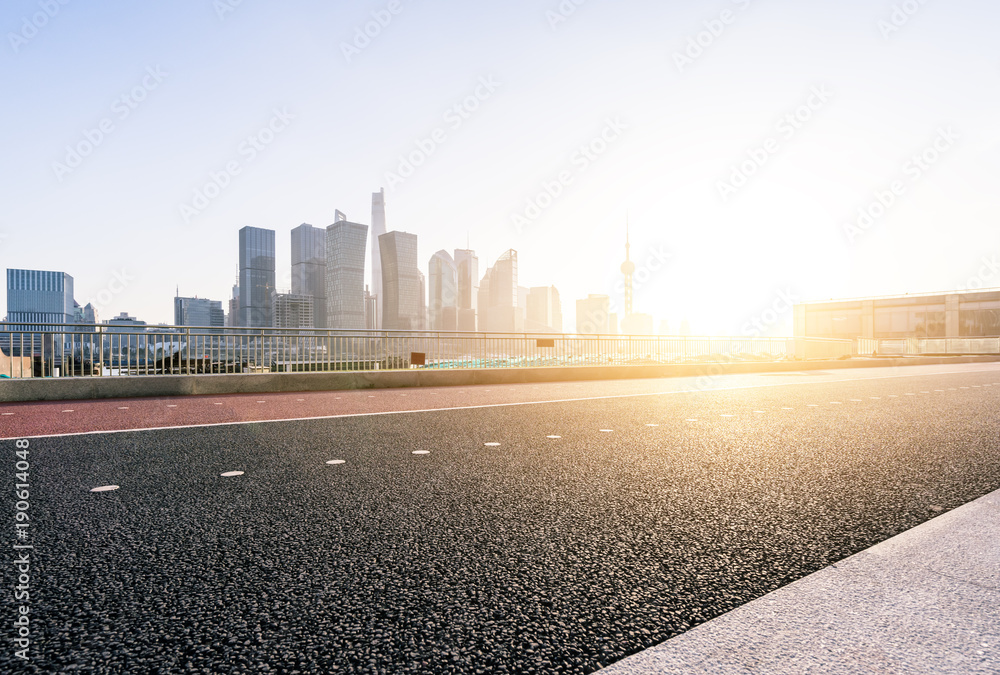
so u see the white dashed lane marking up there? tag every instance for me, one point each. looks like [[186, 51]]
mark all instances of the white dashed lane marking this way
[[421, 452], [337, 461], [492, 445], [231, 474], [105, 488]]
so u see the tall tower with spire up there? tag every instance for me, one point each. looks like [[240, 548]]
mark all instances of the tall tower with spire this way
[[628, 269], [378, 229]]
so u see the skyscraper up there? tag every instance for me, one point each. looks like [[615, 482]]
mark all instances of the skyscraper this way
[[292, 311], [500, 281], [233, 319], [309, 268], [593, 315], [401, 302], [378, 229], [483, 303], [443, 292], [544, 310], [39, 297], [256, 277], [628, 269], [422, 314], [370, 310], [467, 267], [345, 274], [198, 312]]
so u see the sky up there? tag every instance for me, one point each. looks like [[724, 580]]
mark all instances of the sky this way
[[761, 151]]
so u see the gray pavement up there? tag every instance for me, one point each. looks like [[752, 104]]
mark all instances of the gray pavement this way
[[925, 601], [548, 536]]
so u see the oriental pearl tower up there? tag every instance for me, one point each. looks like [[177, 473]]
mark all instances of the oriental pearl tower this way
[[628, 269]]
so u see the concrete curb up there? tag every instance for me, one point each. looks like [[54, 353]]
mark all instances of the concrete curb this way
[[924, 601], [92, 388]]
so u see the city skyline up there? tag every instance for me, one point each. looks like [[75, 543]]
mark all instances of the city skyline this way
[[804, 151]]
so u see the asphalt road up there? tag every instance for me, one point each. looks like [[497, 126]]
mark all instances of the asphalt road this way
[[531, 538]]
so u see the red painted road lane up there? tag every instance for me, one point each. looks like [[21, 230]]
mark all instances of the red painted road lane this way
[[18, 420]]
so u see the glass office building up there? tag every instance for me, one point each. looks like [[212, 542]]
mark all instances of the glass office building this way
[[345, 274], [933, 315], [378, 229], [256, 277], [498, 296], [467, 265], [402, 304], [309, 268], [198, 312], [544, 310], [36, 297], [443, 292]]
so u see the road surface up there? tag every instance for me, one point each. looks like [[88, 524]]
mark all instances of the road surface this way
[[554, 528]]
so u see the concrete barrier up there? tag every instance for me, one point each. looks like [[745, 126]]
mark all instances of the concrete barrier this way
[[15, 366], [90, 388]]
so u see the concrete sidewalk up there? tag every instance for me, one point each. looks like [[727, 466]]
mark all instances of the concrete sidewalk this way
[[925, 601]]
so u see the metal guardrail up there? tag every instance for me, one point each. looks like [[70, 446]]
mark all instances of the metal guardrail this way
[[61, 350], [928, 346]]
